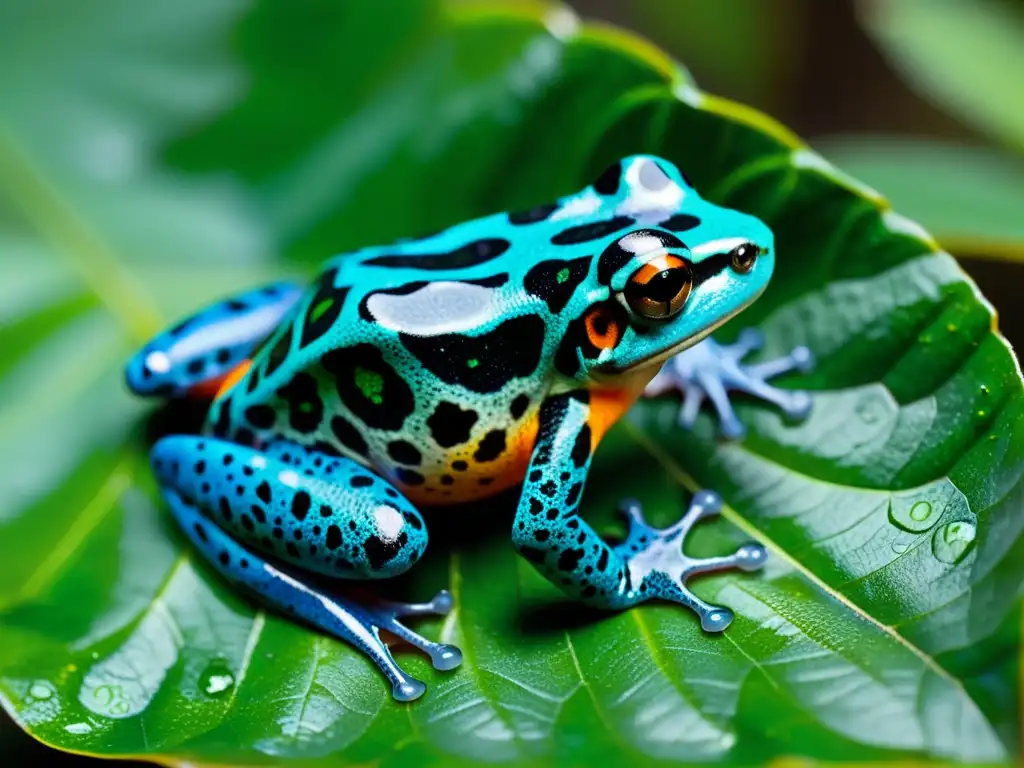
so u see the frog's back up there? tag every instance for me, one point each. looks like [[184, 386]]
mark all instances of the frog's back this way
[[424, 359]]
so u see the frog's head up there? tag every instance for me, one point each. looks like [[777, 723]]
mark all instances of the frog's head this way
[[683, 267]]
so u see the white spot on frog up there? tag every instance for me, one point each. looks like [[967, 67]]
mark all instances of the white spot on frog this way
[[158, 362], [584, 204], [651, 192], [389, 522], [441, 307], [722, 245]]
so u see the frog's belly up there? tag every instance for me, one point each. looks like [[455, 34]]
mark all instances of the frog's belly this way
[[467, 472]]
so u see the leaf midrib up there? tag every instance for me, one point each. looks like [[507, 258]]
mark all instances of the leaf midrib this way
[[109, 493]]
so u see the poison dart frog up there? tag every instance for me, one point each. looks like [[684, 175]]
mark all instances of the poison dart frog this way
[[449, 368]]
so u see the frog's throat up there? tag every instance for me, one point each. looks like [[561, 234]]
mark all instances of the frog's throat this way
[[649, 366]]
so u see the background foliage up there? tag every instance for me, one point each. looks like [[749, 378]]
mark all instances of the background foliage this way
[[157, 169]]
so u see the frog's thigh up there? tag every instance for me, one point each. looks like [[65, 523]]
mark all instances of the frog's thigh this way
[[195, 476], [196, 355], [321, 513]]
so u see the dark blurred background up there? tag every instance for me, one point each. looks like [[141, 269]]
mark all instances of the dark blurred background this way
[[921, 99]]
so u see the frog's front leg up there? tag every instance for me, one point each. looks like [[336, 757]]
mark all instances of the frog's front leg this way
[[263, 519], [650, 563], [709, 369]]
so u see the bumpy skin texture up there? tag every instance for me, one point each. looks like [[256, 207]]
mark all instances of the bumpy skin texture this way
[[446, 369]]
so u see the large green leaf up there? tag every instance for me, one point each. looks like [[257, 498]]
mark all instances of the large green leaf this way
[[886, 625]]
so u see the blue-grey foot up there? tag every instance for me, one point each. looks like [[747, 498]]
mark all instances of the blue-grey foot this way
[[357, 622], [659, 568], [710, 370]]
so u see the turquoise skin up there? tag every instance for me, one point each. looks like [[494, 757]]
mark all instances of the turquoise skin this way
[[447, 369]]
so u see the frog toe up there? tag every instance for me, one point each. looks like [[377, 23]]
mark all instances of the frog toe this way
[[357, 621], [387, 615], [710, 371], [659, 568]]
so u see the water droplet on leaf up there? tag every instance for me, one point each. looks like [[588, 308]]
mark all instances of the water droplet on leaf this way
[[910, 515], [78, 728], [899, 547], [216, 679], [951, 542], [40, 691]]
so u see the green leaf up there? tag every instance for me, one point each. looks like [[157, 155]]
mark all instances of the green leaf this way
[[966, 56], [876, 632], [971, 198]]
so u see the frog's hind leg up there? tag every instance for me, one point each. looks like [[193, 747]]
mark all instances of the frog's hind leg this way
[[196, 355], [709, 370], [263, 518]]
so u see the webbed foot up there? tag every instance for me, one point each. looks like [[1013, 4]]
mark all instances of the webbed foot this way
[[709, 369], [358, 622], [659, 568], [378, 615]]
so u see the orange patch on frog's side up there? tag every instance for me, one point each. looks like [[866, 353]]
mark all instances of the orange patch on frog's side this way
[[506, 471], [606, 407], [213, 388]]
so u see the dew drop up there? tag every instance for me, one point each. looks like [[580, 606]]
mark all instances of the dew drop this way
[[899, 547], [952, 541], [870, 408], [914, 516], [922, 510], [40, 691], [78, 728], [216, 679], [984, 389]]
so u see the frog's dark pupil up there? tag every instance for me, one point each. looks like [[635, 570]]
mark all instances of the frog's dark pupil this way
[[665, 285]]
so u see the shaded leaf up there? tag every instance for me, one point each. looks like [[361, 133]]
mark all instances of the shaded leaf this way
[[970, 197], [965, 55]]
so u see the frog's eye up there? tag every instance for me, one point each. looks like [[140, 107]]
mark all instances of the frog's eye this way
[[660, 287], [743, 257]]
